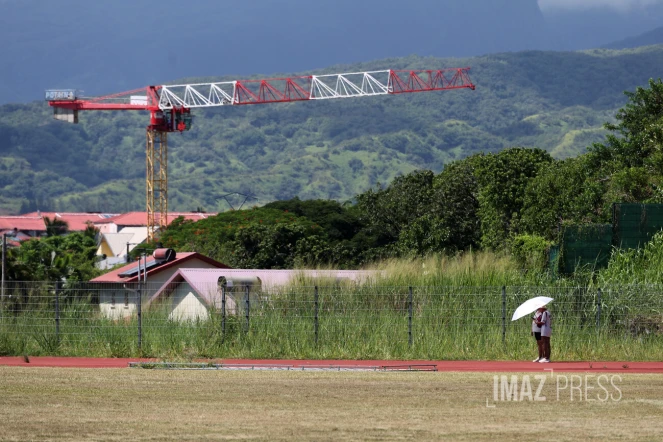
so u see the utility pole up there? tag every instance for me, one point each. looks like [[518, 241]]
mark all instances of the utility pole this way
[[142, 285], [4, 266]]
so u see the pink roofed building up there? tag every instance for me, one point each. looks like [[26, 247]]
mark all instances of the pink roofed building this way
[[190, 293]]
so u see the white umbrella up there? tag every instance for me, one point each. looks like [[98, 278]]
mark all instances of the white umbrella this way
[[529, 306]]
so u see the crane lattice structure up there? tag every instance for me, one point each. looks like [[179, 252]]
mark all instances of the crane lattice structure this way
[[170, 108]]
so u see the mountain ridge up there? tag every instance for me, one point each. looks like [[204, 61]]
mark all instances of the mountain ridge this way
[[557, 101], [649, 38]]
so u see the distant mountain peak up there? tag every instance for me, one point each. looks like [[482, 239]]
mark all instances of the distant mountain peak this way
[[653, 37]]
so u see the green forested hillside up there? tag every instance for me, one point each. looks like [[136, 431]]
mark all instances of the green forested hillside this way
[[333, 149]]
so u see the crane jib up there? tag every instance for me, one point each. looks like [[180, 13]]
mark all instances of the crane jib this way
[[272, 90], [170, 108]]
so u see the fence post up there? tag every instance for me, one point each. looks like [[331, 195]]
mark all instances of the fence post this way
[[315, 317], [598, 311], [248, 306], [139, 307], [139, 314], [504, 314], [223, 311], [57, 311], [409, 318]]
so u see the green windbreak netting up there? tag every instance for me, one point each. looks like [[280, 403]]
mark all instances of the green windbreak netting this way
[[586, 246], [635, 224]]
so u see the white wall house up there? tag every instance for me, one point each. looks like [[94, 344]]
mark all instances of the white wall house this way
[[116, 246]]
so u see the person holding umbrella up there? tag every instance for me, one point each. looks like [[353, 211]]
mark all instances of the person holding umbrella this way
[[541, 323], [536, 332], [545, 322]]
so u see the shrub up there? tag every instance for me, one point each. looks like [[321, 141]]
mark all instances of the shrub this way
[[531, 251]]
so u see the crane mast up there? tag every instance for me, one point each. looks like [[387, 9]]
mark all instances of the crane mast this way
[[170, 108]]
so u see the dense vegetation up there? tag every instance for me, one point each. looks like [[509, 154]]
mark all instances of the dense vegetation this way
[[60, 256], [335, 150]]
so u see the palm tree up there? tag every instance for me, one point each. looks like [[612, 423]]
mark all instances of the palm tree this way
[[55, 226]]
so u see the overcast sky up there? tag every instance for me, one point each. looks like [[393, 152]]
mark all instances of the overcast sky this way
[[549, 5]]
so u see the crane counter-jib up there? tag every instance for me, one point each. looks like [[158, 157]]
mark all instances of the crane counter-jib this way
[[170, 105]]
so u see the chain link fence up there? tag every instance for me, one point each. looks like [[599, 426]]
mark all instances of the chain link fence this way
[[46, 318]]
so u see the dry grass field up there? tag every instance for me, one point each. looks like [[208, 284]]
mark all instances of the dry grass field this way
[[139, 404]]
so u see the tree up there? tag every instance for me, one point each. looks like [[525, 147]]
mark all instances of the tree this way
[[262, 237], [55, 258], [337, 221], [266, 247], [392, 209], [637, 138], [503, 178], [565, 192], [456, 201]]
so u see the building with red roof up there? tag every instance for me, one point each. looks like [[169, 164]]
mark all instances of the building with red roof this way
[[117, 289], [76, 222], [31, 226]]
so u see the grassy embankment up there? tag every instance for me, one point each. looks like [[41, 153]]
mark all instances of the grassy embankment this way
[[457, 308]]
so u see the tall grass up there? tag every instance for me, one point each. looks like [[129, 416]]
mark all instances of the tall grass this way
[[476, 269], [458, 310]]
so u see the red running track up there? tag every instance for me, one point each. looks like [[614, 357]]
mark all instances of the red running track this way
[[477, 366]]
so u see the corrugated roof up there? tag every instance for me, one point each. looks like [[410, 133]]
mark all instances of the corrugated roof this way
[[13, 240], [22, 223], [76, 221], [114, 276], [126, 219], [204, 281]]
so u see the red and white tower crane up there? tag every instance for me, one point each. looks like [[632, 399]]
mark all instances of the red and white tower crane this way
[[170, 108]]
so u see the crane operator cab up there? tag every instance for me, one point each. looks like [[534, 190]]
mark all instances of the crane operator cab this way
[[183, 119], [171, 120]]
